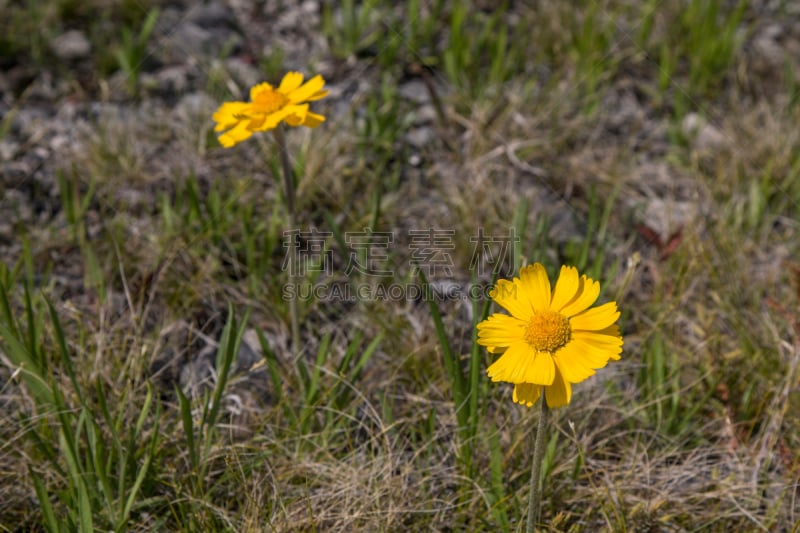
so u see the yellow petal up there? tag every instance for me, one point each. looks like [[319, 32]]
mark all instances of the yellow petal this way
[[307, 90], [229, 114], [541, 371], [512, 363], [573, 369], [256, 122], [559, 393], [500, 331], [609, 344], [290, 82], [566, 288], [273, 119], [527, 393], [509, 295], [317, 96], [294, 120], [536, 286], [596, 318], [235, 135], [520, 363], [612, 331], [313, 120], [588, 291], [583, 354], [261, 87]]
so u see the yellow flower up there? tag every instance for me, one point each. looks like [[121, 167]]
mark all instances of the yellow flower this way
[[268, 107], [552, 338]]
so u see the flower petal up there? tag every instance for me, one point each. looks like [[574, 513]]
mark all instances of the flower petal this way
[[313, 120], [317, 96], [536, 286], [527, 393], [235, 135], [273, 119], [229, 114], [509, 295], [256, 89], [542, 370], [521, 364], [500, 331], [596, 318], [290, 82], [567, 287], [588, 292], [573, 369], [582, 353], [512, 363], [294, 120], [559, 393], [609, 344], [307, 91]]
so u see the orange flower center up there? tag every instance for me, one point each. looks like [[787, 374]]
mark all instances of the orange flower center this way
[[548, 331], [269, 101]]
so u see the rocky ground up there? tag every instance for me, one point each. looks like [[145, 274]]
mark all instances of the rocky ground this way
[[682, 177]]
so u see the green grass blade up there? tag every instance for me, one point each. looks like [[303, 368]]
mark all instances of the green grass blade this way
[[188, 428], [229, 344], [451, 362], [48, 515], [273, 367], [25, 363]]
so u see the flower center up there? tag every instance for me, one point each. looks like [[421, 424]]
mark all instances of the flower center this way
[[548, 331], [269, 101]]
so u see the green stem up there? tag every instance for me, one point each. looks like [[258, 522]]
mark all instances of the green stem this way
[[288, 184], [535, 494]]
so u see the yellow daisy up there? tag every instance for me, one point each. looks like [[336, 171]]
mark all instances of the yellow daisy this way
[[268, 107], [552, 338]]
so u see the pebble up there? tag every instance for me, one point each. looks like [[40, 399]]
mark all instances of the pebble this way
[[706, 137], [71, 45]]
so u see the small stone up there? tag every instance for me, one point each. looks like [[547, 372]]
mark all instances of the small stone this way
[[245, 74], [59, 142], [173, 79], [211, 15], [249, 352], [8, 149], [421, 137], [666, 216], [706, 137], [196, 104], [71, 45], [415, 91]]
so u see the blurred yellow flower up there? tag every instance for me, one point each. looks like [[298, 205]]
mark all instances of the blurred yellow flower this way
[[552, 338], [268, 107]]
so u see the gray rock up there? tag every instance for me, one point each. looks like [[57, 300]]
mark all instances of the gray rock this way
[[8, 149], [421, 137], [770, 54], [245, 74], [195, 105], [250, 351], [706, 137], [71, 45], [172, 79], [190, 39], [415, 91], [211, 15], [665, 216]]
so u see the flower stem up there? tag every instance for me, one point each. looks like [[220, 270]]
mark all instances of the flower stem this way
[[535, 493], [288, 184]]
